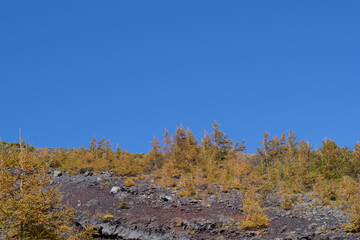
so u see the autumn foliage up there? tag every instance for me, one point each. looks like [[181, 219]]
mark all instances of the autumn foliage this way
[[282, 164], [29, 207], [255, 217]]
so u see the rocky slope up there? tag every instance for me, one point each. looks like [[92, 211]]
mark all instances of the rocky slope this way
[[149, 211]]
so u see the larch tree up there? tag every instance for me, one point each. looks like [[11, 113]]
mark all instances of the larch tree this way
[[155, 156], [272, 149], [185, 152], [220, 142], [29, 208]]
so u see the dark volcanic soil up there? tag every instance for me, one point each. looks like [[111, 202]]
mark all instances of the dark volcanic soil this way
[[155, 212]]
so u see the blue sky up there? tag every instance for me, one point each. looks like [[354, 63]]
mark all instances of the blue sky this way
[[126, 70]]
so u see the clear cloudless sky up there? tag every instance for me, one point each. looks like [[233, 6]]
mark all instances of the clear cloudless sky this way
[[126, 70]]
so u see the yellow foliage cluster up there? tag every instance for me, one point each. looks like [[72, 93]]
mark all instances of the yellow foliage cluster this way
[[99, 157], [29, 209], [187, 183], [354, 225], [129, 182], [108, 218], [123, 205], [287, 202], [281, 164], [255, 217]]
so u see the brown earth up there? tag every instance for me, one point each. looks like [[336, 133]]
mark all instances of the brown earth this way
[[155, 212]]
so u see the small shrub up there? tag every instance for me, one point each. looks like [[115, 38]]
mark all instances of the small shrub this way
[[354, 225], [123, 205], [108, 218], [187, 193], [255, 217], [129, 182], [287, 203], [179, 222]]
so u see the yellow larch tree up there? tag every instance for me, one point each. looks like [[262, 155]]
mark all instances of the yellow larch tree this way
[[29, 208]]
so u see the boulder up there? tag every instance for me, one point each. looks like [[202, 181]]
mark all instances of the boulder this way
[[57, 173], [114, 189], [165, 198]]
